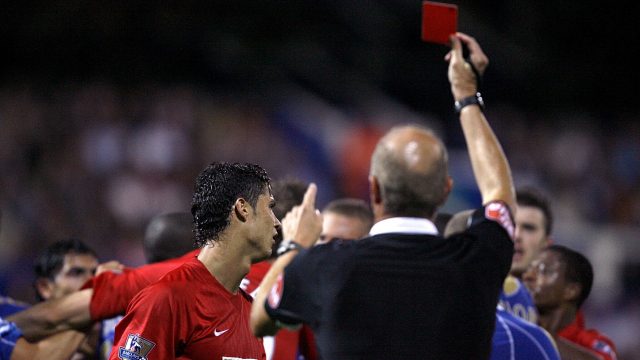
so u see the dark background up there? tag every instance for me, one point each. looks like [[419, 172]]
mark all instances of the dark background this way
[[545, 55]]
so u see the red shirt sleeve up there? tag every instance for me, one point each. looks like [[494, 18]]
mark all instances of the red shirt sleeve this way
[[308, 343], [602, 345], [152, 328], [591, 339], [112, 292]]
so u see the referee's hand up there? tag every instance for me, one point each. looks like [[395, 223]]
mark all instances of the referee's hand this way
[[303, 224]]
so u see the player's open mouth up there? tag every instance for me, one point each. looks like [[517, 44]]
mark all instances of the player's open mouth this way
[[518, 254]]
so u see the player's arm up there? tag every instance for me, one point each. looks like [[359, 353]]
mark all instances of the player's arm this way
[[52, 316], [303, 224], [489, 163], [57, 347]]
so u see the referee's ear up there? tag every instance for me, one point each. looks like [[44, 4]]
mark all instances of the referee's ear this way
[[374, 190], [448, 186]]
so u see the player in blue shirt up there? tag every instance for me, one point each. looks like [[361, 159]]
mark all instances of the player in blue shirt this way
[[534, 222], [515, 298], [515, 338], [9, 335], [9, 306]]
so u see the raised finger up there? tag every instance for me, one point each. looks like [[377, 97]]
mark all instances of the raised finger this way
[[470, 41], [309, 199]]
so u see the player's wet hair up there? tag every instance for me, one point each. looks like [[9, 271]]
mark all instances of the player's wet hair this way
[[217, 188], [49, 263]]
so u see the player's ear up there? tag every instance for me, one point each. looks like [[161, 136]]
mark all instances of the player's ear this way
[[572, 291], [44, 288], [241, 209]]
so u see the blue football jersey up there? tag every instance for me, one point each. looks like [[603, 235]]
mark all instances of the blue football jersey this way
[[515, 299], [9, 306], [9, 334], [515, 338], [107, 335]]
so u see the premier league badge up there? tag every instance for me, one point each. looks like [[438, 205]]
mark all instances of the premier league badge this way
[[136, 348]]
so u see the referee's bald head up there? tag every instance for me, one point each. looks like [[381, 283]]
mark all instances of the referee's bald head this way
[[409, 165]]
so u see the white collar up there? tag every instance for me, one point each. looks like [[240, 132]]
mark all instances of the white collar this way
[[404, 225]]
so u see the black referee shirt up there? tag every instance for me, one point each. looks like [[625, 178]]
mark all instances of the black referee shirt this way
[[402, 296]]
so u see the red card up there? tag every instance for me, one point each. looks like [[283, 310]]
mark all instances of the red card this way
[[439, 20]]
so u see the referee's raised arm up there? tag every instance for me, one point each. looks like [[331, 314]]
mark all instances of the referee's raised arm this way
[[489, 163]]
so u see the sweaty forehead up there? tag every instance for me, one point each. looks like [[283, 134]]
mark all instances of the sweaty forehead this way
[[267, 195], [529, 214], [548, 257]]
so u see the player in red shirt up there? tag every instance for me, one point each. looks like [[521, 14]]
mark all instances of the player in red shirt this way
[[284, 345], [560, 280], [102, 297], [198, 310], [112, 292]]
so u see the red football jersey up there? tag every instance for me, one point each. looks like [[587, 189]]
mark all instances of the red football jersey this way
[[591, 339], [112, 292], [187, 313]]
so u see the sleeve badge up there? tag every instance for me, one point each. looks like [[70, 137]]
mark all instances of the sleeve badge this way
[[136, 348]]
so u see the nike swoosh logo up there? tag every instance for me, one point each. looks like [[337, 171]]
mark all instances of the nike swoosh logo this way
[[218, 333]]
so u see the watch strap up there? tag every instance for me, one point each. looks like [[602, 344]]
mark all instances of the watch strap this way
[[469, 100], [288, 245]]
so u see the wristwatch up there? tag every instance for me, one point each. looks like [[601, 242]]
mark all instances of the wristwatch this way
[[287, 246], [469, 100]]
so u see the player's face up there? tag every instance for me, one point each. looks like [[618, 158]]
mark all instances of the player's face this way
[[76, 270], [545, 279], [266, 225], [337, 226], [530, 238]]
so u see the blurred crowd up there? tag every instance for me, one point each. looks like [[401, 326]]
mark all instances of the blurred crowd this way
[[96, 161]]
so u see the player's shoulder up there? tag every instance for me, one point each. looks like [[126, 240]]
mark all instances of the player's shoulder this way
[[597, 334], [601, 343], [515, 298], [523, 330], [173, 284]]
